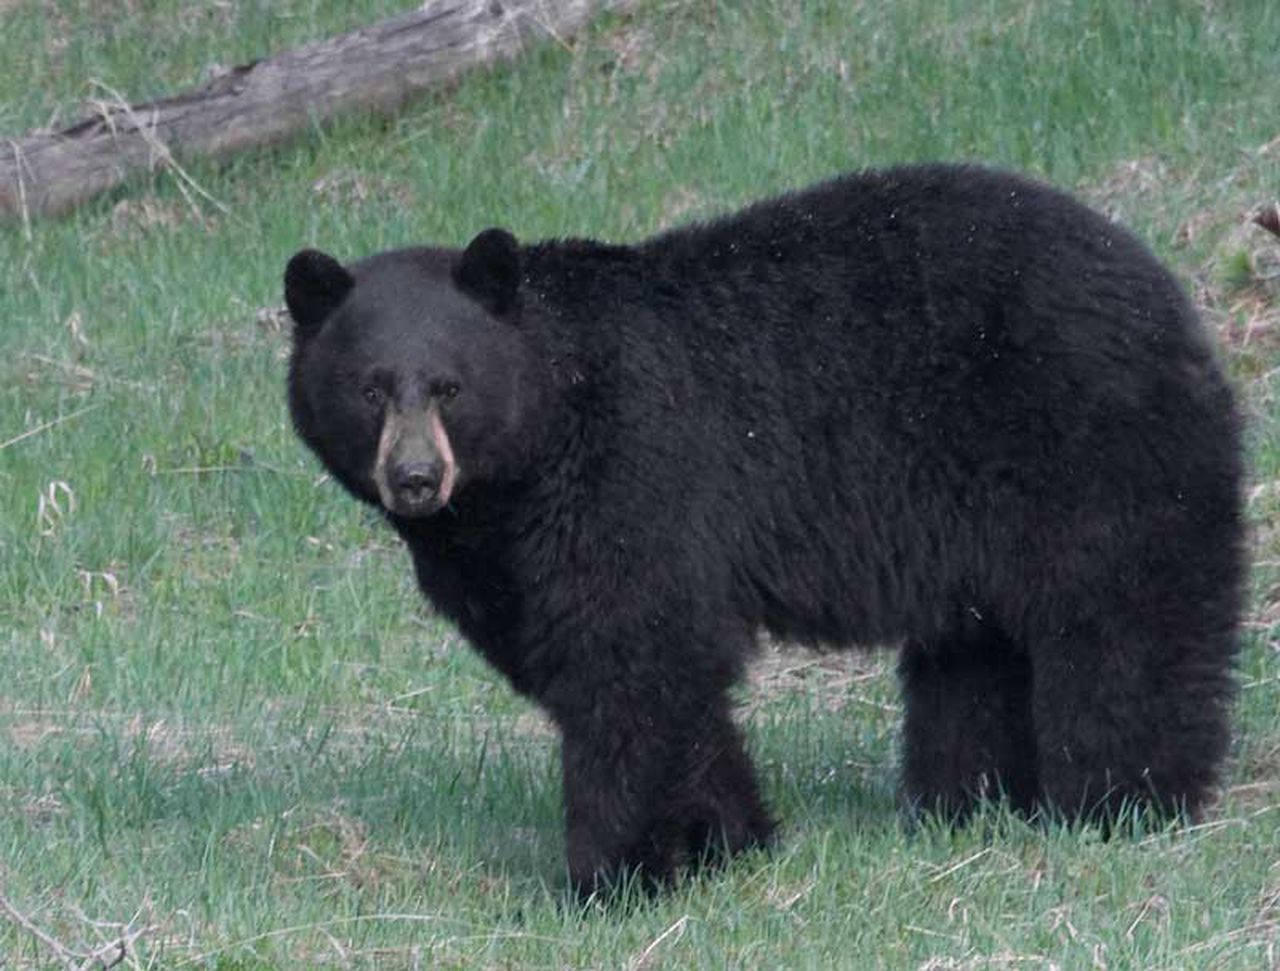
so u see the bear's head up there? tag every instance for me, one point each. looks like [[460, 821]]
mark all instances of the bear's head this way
[[410, 377]]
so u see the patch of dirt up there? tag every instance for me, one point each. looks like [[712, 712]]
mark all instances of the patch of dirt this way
[[1260, 770], [350, 188], [1128, 183], [38, 809], [326, 845], [1239, 293], [836, 679], [677, 205], [168, 742], [136, 217]]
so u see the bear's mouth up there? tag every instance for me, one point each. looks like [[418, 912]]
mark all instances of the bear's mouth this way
[[413, 508]]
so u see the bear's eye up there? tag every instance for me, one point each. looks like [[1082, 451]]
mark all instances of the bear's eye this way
[[449, 390], [373, 395]]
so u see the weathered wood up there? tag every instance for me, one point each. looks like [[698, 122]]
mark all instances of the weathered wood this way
[[375, 68]]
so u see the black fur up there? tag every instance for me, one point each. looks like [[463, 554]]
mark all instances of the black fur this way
[[489, 270], [937, 406], [315, 284]]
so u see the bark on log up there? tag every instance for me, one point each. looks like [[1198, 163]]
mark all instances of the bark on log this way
[[374, 68]]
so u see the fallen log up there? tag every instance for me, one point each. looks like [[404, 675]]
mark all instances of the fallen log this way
[[375, 68]]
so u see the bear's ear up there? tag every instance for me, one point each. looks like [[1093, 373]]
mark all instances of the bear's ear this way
[[489, 270], [314, 285]]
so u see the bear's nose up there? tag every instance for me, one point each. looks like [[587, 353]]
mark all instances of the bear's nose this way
[[415, 482]]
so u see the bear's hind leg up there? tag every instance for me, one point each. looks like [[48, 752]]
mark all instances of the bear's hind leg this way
[[968, 735], [1131, 716]]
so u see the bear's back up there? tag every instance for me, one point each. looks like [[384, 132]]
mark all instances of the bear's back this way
[[923, 358]]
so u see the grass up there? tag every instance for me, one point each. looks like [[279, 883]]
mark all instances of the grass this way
[[225, 714]]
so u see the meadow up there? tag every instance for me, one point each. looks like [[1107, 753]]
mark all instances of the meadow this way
[[227, 721]]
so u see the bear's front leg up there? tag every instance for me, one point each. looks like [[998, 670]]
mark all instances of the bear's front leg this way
[[614, 769], [654, 781], [716, 809], [654, 772], [655, 776]]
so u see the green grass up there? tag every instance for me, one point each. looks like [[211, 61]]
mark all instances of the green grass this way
[[226, 711]]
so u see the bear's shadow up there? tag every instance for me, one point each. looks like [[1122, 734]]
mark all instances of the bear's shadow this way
[[487, 799], [490, 800]]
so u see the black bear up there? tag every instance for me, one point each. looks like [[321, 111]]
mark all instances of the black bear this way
[[939, 407]]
